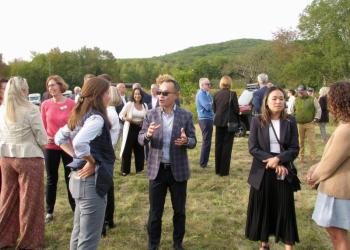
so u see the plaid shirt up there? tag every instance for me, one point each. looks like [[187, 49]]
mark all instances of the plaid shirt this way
[[178, 154]]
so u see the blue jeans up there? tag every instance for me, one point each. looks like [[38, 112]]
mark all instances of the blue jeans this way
[[89, 213], [206, 126]]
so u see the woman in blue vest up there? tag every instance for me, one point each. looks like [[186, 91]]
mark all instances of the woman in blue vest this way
[[93, 159]]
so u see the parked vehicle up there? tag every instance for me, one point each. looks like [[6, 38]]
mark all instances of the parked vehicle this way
[[68, 94], [35, 98], [246, 107]]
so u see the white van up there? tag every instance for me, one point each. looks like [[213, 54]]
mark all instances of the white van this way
[[35, 98]]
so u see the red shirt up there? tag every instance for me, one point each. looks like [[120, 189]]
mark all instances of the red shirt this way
[[55, 115]]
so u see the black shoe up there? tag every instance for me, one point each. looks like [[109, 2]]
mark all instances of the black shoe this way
[[178, 247], [104, 230], [111, 224]]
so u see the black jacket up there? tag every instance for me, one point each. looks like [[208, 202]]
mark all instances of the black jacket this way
[[221, 107], [259, 146], [324, 108]]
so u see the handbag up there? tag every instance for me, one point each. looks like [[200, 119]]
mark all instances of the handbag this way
[[232, 126], [292, 176]]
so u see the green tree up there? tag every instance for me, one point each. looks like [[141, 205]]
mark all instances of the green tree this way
[[325, 25]]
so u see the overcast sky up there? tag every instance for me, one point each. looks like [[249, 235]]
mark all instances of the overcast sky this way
[[134, 29]]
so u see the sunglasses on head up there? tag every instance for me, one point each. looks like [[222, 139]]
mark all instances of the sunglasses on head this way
[[164, 93]]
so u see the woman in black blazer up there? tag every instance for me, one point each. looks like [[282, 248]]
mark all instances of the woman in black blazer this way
[[224, 139], [271, 208]]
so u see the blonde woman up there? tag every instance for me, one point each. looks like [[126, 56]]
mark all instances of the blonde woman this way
[[22, 140], [225, 107], [115, 128]]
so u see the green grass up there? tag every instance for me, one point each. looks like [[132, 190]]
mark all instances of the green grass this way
[[216, 209]]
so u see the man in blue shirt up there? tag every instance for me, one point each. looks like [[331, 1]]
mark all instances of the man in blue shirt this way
[[258, 95], [204, 104]]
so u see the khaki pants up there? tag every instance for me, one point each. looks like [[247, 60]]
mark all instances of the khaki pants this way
[[307, 131]]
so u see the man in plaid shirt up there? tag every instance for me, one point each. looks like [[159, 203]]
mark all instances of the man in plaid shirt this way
[[169, 131]]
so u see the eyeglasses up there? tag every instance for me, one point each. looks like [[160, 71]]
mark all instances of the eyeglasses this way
[[208, 83], [164, 93]]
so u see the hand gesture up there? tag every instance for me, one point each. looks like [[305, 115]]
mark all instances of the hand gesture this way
[[281, 170], [87, 170], [182, 140], [272, 162], [151, 129]]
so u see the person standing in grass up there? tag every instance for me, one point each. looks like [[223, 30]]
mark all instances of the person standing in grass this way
[[204, 105], [114, 119], [226, 109], [324, 114], [22, 141], [271, 209], [3, 83], [87, 138], [169, 131], [132, 115], [55, 112], [332, 173]]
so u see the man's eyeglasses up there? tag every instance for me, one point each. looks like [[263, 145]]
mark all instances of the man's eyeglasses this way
[[208, 83], [164, 93]]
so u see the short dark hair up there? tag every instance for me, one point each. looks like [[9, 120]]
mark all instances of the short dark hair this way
[[291, 91], [3, 80]]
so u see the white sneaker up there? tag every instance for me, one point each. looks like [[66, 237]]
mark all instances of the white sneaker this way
[[48, 218]]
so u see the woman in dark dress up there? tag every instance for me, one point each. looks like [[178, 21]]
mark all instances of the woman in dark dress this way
[[226, 109], [271, 208], [324, 115]]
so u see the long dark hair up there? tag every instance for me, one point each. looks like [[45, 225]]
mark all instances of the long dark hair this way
[[90, 99], [133, 92], [265, 117]]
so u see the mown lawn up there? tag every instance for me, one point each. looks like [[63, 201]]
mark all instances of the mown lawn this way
[[216, 209]]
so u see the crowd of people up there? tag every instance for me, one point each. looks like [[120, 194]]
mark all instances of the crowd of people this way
[[83, 133]]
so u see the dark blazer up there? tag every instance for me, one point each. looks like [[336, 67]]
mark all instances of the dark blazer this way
[[147, 99], [121, 106], [258, 97], [323, 104], [178, 154], [259, 147], [221, 107]]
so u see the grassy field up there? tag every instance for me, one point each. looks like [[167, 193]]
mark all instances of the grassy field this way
[[216, 209]]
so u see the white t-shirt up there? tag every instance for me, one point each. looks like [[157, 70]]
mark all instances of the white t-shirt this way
[[274, 145]]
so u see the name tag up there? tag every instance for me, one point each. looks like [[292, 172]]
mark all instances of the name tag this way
[[63, 107]]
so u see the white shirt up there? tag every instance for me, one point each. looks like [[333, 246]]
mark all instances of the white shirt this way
[[123, 99], [154, 101], [290, 105], [115, 129], [81, 136], [274, 145], [167, 126]]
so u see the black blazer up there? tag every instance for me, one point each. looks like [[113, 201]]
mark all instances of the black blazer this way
[[259, 147], [323, 103], [221, 107]]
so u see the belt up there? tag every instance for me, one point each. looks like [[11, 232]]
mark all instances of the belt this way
[[165, 166]]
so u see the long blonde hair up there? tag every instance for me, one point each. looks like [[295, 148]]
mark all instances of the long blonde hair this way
[[15, 100]]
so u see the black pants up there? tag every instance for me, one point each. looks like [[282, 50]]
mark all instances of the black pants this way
[[133, 145], [110, 206], [52, 162], [223, 150], [157, 193], [206, 126]]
